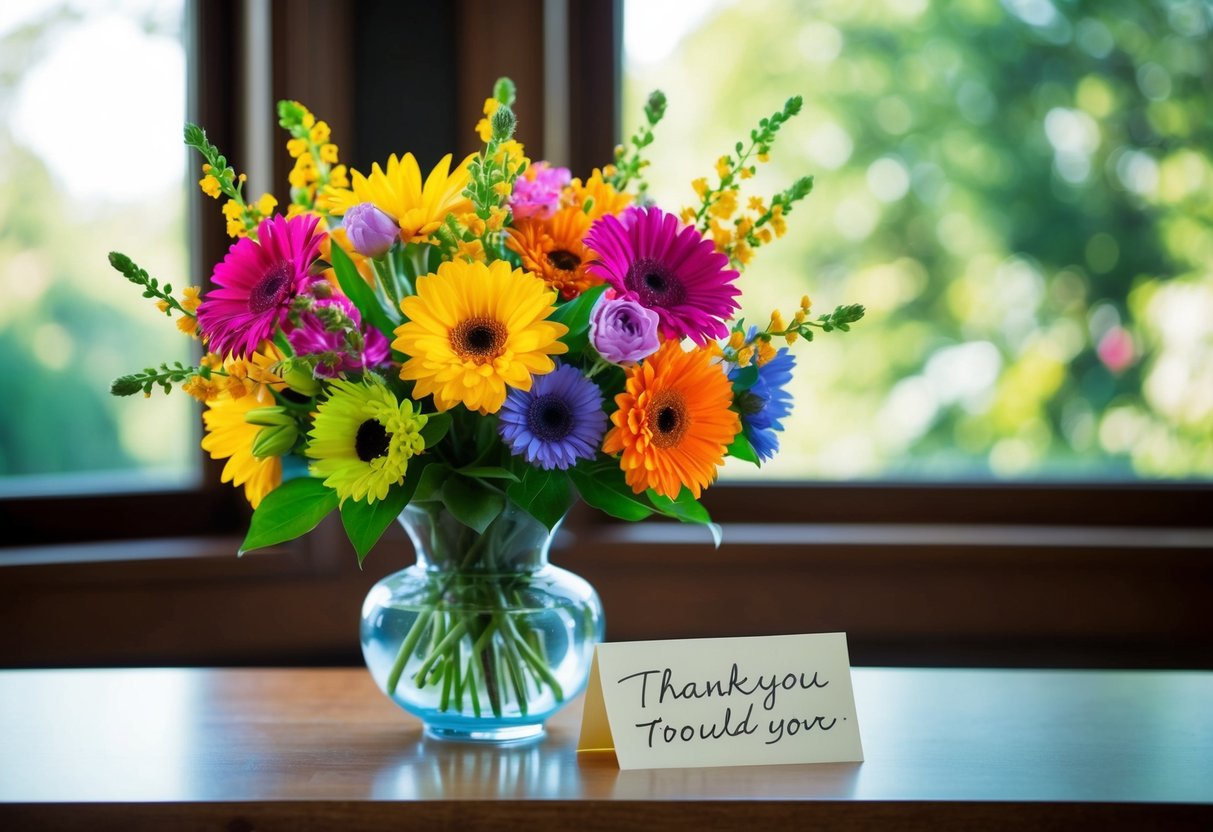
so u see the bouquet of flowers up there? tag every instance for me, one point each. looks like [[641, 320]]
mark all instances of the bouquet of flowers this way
[[480, 346]]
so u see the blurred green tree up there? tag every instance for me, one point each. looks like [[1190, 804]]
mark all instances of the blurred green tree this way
[[1021, 193], [68, 323]]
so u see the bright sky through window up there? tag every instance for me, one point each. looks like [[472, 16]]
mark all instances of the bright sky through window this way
[[130, 100]]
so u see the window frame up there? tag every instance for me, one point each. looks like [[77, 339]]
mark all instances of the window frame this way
[[116, 557], [206, 507]]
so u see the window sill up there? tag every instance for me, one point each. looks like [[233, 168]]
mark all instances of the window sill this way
[[905, 594]]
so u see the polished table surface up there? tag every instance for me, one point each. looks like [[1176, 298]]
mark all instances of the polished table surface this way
[[175, 745]]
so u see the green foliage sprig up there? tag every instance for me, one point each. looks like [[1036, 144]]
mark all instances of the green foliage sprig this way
[[165, 376], [486, 175], [840, 319], [490, 179], [151, 287], [781, 204], [628, 165], [731, 165], [230, 183]]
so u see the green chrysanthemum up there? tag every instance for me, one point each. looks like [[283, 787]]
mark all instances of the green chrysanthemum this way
[[362, 439]]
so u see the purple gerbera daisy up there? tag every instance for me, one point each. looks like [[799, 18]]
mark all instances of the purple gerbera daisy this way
[[314, 336], [557, 422], [670, 269], [257, 281]]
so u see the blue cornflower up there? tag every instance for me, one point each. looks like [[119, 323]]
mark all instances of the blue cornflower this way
[[767, 403], [557, 422]]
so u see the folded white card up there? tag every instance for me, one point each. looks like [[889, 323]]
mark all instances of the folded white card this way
[[723, 702]]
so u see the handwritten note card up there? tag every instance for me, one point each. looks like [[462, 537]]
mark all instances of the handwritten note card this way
[[723, 702]]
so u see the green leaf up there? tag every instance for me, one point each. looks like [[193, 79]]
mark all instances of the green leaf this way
[[195, 137], [360, 292], [436, 427], [576, 316], [746, 378], [487, 441], [432, 481], [487, 472], [743, 449], [291, 510], [545, 495], [366, 522], [604, 488], [687, 509], [471, 502]]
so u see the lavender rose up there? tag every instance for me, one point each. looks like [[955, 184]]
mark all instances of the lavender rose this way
[[370, 230], [623, 330]]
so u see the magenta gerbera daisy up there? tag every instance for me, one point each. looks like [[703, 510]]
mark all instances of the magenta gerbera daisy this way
[[256, 283], [673, 270]]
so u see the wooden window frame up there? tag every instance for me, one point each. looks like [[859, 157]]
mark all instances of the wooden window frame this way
[[1095, 574]]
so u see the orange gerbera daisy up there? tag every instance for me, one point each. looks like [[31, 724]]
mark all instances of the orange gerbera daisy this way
[[673, 423], [554, 251]]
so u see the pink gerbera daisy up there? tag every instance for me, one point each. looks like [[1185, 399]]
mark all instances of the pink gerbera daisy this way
[[673, 271], [257, 281]]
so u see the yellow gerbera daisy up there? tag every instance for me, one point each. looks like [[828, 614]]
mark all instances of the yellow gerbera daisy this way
[[229, 436], [417, 208], [475, 329], [553, 250], [362, 439], [673, 423]]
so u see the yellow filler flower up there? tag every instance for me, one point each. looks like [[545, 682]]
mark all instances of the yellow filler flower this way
[[473, 330]]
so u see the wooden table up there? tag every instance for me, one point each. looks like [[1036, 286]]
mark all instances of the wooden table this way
[[243, 750]]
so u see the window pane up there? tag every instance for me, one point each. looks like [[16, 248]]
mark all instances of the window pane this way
[[1021, 193], [92, 101]]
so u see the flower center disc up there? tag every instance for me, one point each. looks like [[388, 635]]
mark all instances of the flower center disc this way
[[550, 418], [372, 440], [270, 290], [565, 261], [478, 339], [668, 415], [655, 284]]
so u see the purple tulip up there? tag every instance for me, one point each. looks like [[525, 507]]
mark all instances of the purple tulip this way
[[622, 330], [371, 231]]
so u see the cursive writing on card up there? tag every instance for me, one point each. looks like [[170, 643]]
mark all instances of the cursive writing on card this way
[[709, 702]]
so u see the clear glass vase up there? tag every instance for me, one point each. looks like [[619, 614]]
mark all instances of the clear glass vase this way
[[481, 638]]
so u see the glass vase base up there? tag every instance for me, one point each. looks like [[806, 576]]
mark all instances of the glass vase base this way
[[500, 735]]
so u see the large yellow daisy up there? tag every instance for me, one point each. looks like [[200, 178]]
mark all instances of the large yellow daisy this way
[[229, 436], [673, 423], [417, 208], [473, 330]]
